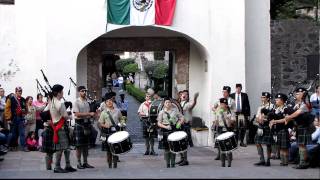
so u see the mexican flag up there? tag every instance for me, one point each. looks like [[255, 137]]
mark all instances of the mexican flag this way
[[140, 12]]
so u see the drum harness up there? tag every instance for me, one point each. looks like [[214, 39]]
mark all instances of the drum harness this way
[[113, 128]]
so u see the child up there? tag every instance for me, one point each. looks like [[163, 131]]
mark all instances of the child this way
[[32, 143]]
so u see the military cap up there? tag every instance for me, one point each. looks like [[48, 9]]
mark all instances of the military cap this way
[[227, 88], [266, 94], [300, 89], [282, 96], [224, 100]]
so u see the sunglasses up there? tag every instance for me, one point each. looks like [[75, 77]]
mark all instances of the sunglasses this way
[[83, 91]]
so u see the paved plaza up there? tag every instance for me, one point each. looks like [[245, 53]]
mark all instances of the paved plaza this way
[[136, 165], [30, 165]]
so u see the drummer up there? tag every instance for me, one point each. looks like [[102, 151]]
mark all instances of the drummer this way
[[109, 119], [187, 107], [169, 120], [225, 121], [149, 129]]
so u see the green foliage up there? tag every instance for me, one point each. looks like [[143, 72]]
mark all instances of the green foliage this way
[[131, 68], [287, 9], [121, 63], [136, 92], [160, 71]]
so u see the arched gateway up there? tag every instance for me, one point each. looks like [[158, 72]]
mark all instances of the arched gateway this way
[[212, 47]]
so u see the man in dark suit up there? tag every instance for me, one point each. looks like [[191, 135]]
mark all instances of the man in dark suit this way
[[242, 112]]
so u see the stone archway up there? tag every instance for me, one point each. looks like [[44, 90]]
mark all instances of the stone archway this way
[[179, 45]]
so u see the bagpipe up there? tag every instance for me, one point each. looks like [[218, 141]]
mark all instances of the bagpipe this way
[[273, 116], [45, 115], [93, 103]]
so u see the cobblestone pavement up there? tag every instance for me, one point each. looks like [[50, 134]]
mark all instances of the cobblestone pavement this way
[[134, 164]]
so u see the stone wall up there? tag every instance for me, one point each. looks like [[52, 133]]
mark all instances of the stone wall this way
[[292, 41]]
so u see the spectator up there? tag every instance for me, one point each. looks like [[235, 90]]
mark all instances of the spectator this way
[[120, 81], [2, 104], [30, 116], [32, 142], [15, 112], [315, 103], [40, 105], [314, 152], [123, 104]]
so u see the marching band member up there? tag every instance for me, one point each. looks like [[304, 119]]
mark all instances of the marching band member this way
[[149, 129], [304, 120], [187, 107], [224, 120], [59, 116], [263, 135], [82, 129], [225, 94], [109, 119], [277, 126], [169, 120]]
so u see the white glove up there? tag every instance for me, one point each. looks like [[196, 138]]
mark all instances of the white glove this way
[[168, 127]]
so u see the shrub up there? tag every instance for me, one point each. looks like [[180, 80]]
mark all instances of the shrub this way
[[136, 92], [131, 68]]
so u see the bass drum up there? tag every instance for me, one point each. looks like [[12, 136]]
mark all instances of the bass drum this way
[[157, 106]]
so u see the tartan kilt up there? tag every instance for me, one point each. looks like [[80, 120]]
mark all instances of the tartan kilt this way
[[63, 142], [47, 141], [266, 138], [147, 134], [165, 143], [80, 139], [303, 136], [283, 139]]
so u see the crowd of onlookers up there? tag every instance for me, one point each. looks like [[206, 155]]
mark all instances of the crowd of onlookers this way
[[20, 120]]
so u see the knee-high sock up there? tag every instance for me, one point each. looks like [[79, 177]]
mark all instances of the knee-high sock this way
[[85, 152], [172, 159], [167, 157], [223, 158], [302, 155], [260, 152], [48, 159], [78, 153], [229, 157], [268, 152], [67, 157], [152, 143], [147, 144], [58, 159], [185, 156]]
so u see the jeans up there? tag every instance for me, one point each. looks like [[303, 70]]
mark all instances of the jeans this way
[[294, 150], [17, 129], [3, 139]]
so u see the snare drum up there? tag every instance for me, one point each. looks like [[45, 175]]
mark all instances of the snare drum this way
[[178, 142], [227, 141], [119, 142]]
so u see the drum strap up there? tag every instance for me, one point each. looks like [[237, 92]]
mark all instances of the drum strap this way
[[111, 119], [169, 117], [225, 123]]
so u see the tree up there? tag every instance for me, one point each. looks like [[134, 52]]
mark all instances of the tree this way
[[131, 68], [287, 9], [161, 71], [121, 63]]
